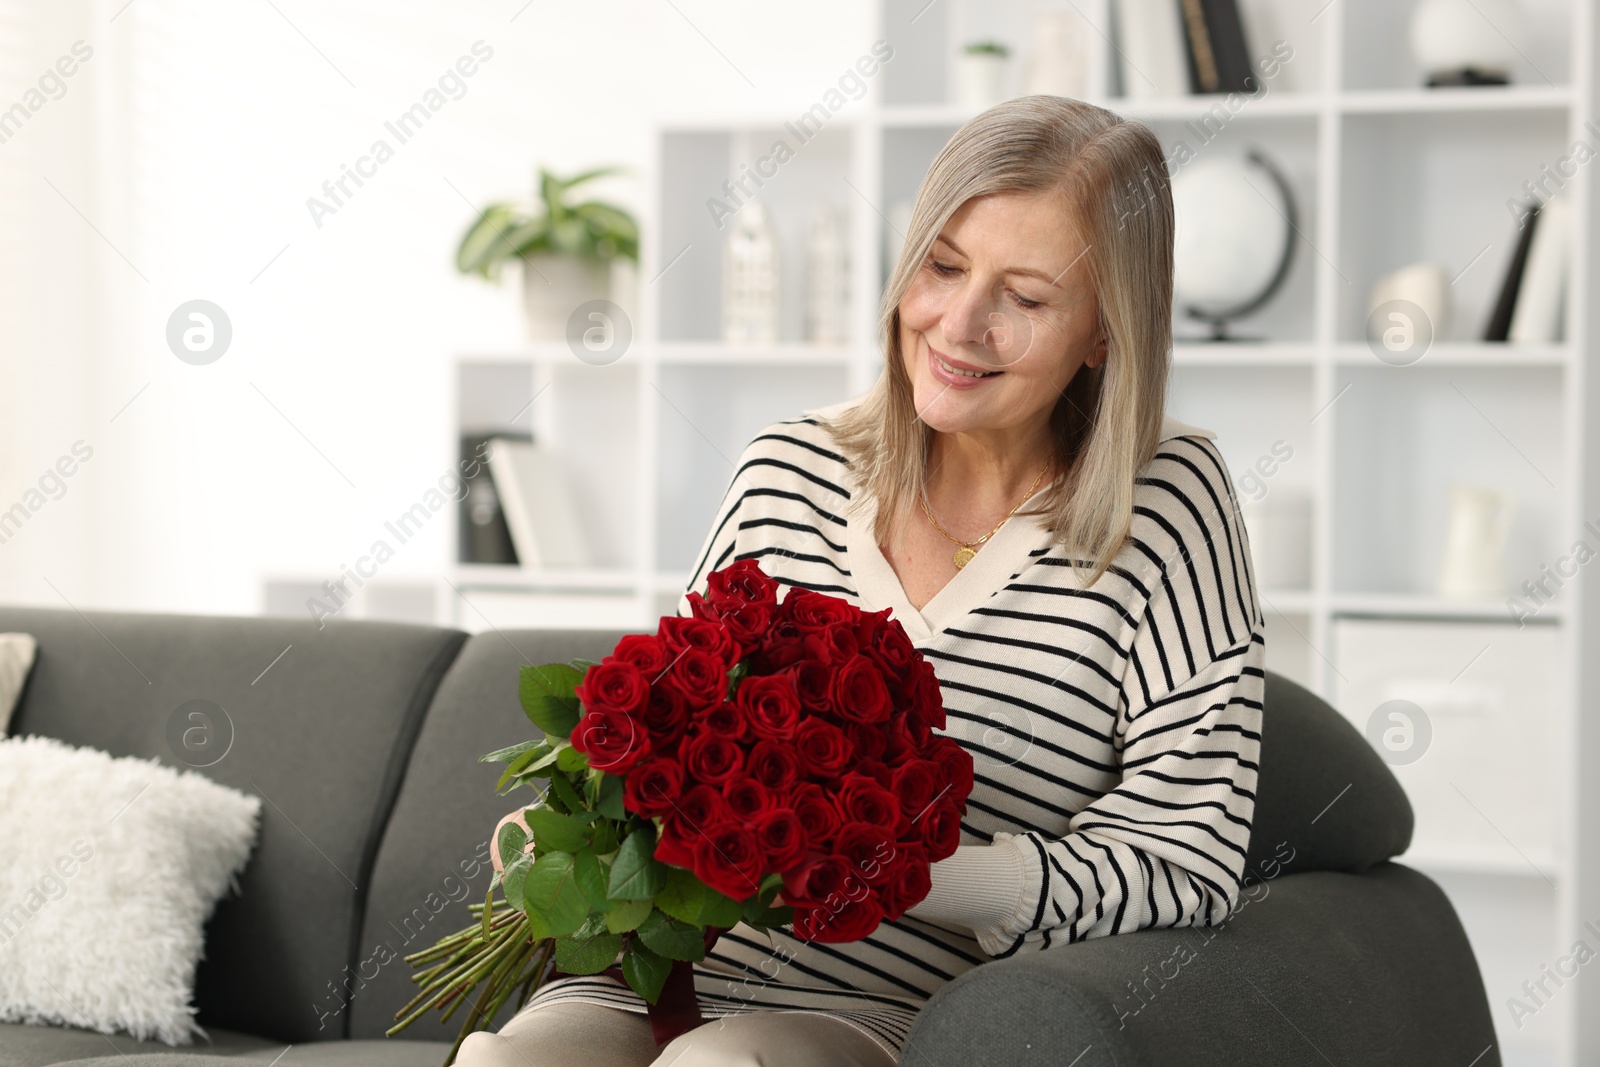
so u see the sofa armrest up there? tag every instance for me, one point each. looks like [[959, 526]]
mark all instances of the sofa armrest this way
[[1312, 968]]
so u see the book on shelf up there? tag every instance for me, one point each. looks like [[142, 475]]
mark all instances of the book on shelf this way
[[1499, 327], [483, 536], [1152, 61], [1537, 317], [539, 508], [1217, 52]]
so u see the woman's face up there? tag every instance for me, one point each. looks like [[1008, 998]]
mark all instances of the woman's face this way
[[1004, 292]]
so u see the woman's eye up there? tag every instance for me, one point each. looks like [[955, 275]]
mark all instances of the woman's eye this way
[[943, 269], [1024, 303]]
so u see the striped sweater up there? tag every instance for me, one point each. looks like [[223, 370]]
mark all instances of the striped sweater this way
[[1114, 730]]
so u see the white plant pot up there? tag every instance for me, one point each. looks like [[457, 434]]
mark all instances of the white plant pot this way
[[1453, 35], [553, 287], [980, 79]]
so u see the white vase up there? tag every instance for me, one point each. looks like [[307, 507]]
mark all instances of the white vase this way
[[980, 79], [750, 279], [553, 287], [1449, 37], [1474, 548], [827, 277]]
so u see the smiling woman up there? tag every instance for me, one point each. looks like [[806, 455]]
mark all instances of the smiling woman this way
[[1071, 561]]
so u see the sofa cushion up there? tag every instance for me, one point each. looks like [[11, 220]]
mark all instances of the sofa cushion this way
[[317, 1054], [317, 722], [1323, 796], [434, 859], [40, 1046]]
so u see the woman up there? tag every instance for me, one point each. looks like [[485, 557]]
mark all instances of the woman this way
[[1073, 564]]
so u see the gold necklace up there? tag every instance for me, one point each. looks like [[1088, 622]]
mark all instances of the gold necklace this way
[[969, 549]]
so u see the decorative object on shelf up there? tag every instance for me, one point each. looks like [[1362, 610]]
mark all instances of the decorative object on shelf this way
[[1217, 53], [1474, 549], [644, 845], [483, 535], [1279, 528], [1058, 64], [750, 279], [1499, 325], [1537, 316], [1424, 286], [1236, 229], [1466, 42], [567, 250], [894, 237], [538, 506], [828, 277], [1153, 57], [981, 74]]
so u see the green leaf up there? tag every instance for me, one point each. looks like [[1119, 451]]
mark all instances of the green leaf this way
[[686, 897], [589, 956], [506, 755], [548, 698], [645, 971], [569, 796], [555, 904], [636, 874], [531, 760], [627, 915], [594, 925], [516, 873], [610, 803], [605, 837], [570, 759], [675, 940], [591, 875], [556, 831], [511, 842], [760, 917]]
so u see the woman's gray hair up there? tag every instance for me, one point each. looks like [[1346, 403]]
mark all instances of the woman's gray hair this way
[[1107, 422]]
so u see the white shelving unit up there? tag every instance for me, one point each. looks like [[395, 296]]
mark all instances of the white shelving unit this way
[[1385, 173]]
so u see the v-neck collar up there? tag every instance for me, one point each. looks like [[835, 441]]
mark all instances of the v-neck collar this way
[[1005, 553]]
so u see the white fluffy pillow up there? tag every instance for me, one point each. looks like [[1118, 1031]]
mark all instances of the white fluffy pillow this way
[[16, 659], [109, 869]]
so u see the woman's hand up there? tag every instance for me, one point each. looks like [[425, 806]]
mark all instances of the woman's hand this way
[[517, 817]]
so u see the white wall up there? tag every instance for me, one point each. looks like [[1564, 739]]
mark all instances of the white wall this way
[[191, 141]]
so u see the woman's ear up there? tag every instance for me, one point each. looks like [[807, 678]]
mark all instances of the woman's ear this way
[[1097, 356]]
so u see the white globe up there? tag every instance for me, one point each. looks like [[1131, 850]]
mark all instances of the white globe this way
[[1232, 225]]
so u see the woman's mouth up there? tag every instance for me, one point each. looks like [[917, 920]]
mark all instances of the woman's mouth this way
[[954, 376]]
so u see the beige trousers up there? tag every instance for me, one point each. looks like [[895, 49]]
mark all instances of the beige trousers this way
[[574, 1034]]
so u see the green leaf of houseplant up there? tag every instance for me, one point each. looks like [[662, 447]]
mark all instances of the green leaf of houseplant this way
[[548, 697], [687, 898], [675, 940], [555, 831], [636, 874], [645, 971], [589, 956], [626, 915], [551, 896]]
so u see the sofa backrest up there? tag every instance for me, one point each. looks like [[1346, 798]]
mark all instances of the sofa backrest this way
[[1325, 800], [434, 859], [321, 724]]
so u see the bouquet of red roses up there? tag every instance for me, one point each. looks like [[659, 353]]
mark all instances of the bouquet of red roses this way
[[753, 747]]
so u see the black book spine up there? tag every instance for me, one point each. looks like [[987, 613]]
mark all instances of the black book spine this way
[[1499, 328], [1228, 48], [1197, 47], [483, 536]]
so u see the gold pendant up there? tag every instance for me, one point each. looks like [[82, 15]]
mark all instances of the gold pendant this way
[[963, 556]]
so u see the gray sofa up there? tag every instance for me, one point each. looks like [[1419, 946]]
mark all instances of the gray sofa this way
[[363, 737]]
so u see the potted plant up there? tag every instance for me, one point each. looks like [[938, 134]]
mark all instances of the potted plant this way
[[566, 249], [981, 74]]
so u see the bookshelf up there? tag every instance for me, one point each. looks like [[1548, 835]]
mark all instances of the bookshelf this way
[[1386, 173]]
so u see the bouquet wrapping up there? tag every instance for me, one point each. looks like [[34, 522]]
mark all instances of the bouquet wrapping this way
[[752, 748]]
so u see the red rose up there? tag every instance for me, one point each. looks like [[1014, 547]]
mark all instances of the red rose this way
[[899, 744], [918, 727], [700, 810], [877, 770], [680, 634], [724, 720], [909, 881], [710, 758], [815, 881], [783, 838], [780, 647], [614, 685], [676, 843], [926, 696], [644, 651], [811, 612], [869, 741], [851, 922], [858, 692], [916, 783], [811, 682], [862, 799], [832, 646], [816, 813], [665, 715], [894, 651], [824, 747], [653, 786], [941, 829], [612, 741], [730, 860], [770, 705], [746, 623], [956, 763], [774, 766], [747, 798], [700, 676], [741, 582], [869, 851], [871, 626]]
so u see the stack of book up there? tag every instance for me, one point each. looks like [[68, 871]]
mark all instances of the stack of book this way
[[1528, 310], [1175, 47]]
